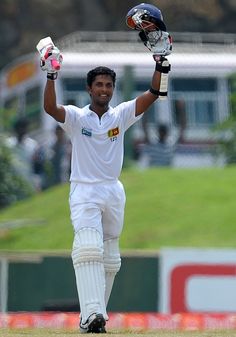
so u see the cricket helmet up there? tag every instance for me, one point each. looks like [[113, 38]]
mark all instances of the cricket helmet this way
[[145, 13]]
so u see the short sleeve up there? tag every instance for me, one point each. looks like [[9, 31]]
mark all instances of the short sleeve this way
[[127, 110], [71, 118]]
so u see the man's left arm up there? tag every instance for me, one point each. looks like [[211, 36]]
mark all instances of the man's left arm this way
[[148, 20], [159, 85], [144, 101]]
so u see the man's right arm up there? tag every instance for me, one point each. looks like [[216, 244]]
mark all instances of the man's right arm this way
[[50, 61], [50, 103]]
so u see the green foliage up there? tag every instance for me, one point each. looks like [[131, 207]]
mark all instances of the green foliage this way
[[165, 207], [12, 186]]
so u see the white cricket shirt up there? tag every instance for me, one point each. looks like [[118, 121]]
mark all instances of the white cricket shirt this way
[[98, 143]]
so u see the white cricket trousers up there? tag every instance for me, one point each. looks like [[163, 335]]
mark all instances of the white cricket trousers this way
[[99, 206], [97, 214]]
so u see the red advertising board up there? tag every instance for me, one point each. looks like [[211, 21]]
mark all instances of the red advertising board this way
[[200, 281]]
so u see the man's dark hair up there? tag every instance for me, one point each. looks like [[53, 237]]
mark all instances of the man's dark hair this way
[[100, 71]]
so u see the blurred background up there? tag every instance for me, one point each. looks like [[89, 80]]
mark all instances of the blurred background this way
[[24, 22], [194, 129], [188, 130]]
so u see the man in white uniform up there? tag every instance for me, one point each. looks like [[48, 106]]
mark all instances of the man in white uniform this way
[[97, 197]]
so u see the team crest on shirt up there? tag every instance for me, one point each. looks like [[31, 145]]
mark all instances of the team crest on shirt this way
[[113, 133], [86, 132]]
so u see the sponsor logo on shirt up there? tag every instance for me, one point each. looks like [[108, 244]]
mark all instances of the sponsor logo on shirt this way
[[87, 132], [112, 134]]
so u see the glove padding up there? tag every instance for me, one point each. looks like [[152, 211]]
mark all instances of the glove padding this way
[[52, 60], [157, 41]]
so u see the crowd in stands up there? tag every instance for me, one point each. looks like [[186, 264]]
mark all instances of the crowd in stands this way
[[42, 166]]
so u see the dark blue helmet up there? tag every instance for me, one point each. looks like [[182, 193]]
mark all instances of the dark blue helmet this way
[[145, 13]]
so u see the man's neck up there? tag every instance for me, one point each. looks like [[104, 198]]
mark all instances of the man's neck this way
[[99, 110]]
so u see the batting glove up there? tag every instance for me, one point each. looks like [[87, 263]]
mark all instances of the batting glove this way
[[157, 41], [51, 62]]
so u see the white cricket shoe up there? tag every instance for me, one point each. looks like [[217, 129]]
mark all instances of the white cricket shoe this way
[[94, 324]]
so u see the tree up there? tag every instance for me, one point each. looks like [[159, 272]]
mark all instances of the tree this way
[[12, 186]]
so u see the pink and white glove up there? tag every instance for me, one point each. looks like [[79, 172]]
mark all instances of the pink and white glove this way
[[51, 61]]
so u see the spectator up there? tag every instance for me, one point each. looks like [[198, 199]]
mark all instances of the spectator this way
[[181, 118], [158, 153], [24, 150], [60, 159]]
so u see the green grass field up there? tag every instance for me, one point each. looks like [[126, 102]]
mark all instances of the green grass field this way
[[61, 333], [165, 207]]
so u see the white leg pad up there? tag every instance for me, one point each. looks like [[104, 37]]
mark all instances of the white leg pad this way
[[87, 257], [112, 263]]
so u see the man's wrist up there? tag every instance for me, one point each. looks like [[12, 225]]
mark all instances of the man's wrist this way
[[162, 69], [154, 91], [52, 76]]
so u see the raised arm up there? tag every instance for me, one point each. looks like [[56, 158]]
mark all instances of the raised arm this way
[[50, 102], [144, 101], [148, 20], [50, 61], [158, 83]]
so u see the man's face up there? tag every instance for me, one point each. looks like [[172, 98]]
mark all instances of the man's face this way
[[101, 90]]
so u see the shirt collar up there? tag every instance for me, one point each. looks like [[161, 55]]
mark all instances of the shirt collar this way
[[92, 113]]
